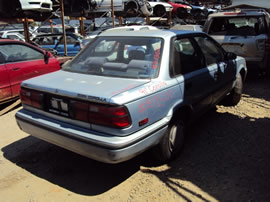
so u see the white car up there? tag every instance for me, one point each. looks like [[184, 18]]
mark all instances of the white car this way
[[160, 8], [121, 7], [36, 5], [12, 35], [132, 28]]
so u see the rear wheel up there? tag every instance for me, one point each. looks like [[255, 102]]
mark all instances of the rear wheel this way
[[131, 9], [159, 11], [171, 143]]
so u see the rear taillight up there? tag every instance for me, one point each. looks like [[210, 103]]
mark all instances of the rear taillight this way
[[111, 116], [32, 98]]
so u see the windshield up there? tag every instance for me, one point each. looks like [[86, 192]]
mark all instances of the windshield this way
[[128, 57], [247, 26]]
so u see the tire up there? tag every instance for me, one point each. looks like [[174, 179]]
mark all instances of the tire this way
[[235, 95], [171, 143], [131, 9], [159, 11], [181, 13]]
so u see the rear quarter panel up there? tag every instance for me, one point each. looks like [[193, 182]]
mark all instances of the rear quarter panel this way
[[153, 101]]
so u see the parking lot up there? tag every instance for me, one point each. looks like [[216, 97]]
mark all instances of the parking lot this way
[[225, 158]]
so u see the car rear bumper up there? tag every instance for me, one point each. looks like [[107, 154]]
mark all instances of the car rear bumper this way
[[101, 147]]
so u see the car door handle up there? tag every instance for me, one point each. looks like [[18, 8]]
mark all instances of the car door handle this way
[[16, 69]]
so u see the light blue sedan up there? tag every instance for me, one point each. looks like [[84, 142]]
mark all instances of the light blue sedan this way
[[113, 102]]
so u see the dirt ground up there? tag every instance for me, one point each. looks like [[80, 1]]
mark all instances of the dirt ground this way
[[226, 158]]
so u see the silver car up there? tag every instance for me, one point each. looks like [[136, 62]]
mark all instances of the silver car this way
[[244, 32], [130, 91]]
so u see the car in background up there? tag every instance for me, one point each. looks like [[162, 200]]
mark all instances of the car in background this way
[[197, 28], [180, 10], [160, 8], [20, 61], [36, 5], [111, 104], [126, 8], [246, 32], [54, 29], [56, 42], [37, 9], [198, 11], [12, 35]]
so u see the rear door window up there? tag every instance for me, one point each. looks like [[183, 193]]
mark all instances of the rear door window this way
[[128, 57], [248, 26], [186, 57], [212, 54]]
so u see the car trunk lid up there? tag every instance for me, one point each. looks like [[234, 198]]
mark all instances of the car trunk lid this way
[[83, 86]]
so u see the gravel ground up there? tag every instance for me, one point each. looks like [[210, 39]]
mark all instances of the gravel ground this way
[[225, 158]]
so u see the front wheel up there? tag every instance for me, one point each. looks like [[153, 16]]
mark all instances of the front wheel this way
[[235, 95], [171, 143]]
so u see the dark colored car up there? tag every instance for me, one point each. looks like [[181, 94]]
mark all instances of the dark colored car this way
[[56, 42], [20, 61]]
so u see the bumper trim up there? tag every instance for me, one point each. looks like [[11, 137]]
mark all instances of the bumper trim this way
[[87, 147]]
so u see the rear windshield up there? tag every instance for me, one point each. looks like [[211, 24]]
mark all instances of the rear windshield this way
[[247, 26], [128, 57]]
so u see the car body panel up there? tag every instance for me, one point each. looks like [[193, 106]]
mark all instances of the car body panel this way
[[5, 88]]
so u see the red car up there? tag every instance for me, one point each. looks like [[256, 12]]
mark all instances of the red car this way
[[20, 61], [180, 10]]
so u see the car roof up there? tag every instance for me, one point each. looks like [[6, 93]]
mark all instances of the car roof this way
[[7, 40], [57, 34], [132, 28], [237, 12], [19, 42], [148, 33]]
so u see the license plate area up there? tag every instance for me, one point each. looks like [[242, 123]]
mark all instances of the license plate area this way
[[58, 105]]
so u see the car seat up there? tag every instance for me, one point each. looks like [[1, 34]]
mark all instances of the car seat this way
[[136, 55]]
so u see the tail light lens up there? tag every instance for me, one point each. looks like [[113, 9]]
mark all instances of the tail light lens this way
[[111, 116], [32, 98], [79, 110]]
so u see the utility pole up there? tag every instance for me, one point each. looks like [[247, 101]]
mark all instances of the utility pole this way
[[63, 26], [26, 30], [112, 15]]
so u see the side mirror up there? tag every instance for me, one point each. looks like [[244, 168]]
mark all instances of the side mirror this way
[[46, 57], [230, 56]]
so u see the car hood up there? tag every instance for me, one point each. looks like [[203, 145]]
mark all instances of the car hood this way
[[90, 87]]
